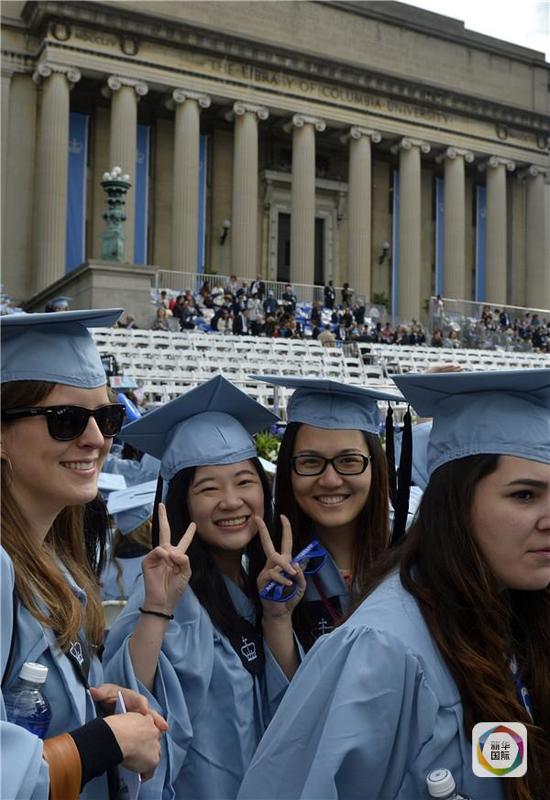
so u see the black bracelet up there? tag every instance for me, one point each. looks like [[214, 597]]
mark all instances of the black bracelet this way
[[156, 613]]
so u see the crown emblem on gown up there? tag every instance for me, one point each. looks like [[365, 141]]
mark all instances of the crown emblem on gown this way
[[248, 649]]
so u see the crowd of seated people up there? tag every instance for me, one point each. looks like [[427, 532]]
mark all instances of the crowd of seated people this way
[[240, 307]]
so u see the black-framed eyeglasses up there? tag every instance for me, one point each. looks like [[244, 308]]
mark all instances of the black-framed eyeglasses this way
[[346, 464], [69, 422]]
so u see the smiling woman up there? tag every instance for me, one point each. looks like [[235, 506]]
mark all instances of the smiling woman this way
[[57, 428], [332, 484], [195, 636], [454, 628]]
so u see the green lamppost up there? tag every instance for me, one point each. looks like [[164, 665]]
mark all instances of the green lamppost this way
[[112, 240]]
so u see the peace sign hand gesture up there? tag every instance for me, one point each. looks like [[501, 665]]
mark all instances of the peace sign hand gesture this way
[[167, 569], [276, 564]]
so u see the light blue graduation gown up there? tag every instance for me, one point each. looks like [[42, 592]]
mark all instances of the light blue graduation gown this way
[[111, 588], [24, 774], [333, 586], [217, 711], [371, 711]]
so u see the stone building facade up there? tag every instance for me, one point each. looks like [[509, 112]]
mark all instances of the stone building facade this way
[[367, 142]]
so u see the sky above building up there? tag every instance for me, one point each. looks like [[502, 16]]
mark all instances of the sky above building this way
[[524, 22]]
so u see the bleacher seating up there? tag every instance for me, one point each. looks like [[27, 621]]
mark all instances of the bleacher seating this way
[[167, 364]]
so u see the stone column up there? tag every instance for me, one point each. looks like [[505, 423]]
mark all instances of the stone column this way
[[244, 230], [410, 226], [185, 192], [359, 208], [455, 221], [302, 226], [52, 160], [122, 153], [496, 244], [6, 76], [537, 272]]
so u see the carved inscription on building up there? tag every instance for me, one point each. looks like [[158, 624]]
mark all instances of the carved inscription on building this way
[[309, 87]]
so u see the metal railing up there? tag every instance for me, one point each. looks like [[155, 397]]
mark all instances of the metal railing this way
[[479, 325], [179, 282]]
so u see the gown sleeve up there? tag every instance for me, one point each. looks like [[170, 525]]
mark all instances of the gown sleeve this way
[[27, 777], [181, 681], [355, 716]]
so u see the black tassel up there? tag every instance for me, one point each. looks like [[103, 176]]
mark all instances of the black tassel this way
[[155, 522], [401, 505], [390, 456]]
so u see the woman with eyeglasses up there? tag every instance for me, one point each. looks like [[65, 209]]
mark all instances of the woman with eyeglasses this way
[[57, 428], [450, 645], [195, 637], [332, 485]]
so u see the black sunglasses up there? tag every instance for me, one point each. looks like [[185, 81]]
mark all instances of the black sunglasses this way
[[69, 422]]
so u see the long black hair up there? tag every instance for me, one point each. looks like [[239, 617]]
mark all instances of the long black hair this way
[[372, 527], [207, 579]]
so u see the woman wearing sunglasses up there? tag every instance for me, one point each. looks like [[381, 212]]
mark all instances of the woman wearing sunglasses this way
[[454, 629], [57, 427], [194, 636], [332, 485]]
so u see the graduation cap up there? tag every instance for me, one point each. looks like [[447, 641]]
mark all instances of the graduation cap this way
[[107, 482], [54, 347], [132, 507], [506, 413], [212, 424], [131, 497], [325, 403], [420, 435]]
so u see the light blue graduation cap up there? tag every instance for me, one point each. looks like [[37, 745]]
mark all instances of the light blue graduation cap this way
[[54, 347], [506, 413], [212, 424], [324, 403], [110, 483], [420, 436], [132, 507]]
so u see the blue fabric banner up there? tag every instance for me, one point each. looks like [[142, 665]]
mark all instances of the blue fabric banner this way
[[142, 194], [395, 246], [439, 236], [75, 247], [481, 236], [201, 230]]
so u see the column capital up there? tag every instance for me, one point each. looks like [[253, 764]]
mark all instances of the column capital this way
[[406, 143], [356, 132], [497, 161], [454, 152], [179, 96], [299, 120], [533, 171], [116, 82], [240, 108], [46, 69]]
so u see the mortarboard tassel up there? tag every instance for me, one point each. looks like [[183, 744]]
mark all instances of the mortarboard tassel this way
[[155, 522], [401, 505], [390, 456]]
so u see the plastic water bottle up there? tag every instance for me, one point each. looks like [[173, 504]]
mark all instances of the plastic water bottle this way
[[25, 703], [441, 784]]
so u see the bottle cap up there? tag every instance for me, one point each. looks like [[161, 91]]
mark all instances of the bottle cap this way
[[36, 673], [440, 783]]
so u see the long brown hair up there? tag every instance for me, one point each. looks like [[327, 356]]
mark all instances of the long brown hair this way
[[38, 577], [476, 625], [372, 531]]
